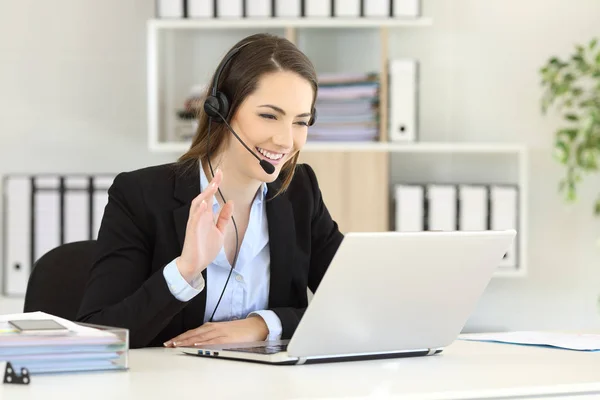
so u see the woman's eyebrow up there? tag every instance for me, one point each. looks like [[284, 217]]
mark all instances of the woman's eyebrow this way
[[280, 110]]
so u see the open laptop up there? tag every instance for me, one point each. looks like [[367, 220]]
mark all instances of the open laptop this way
[[386, 295]]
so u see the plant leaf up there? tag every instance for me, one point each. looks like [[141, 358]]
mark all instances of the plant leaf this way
[[593, 43], [568, 134], [572, 117], [569, 77], [571, 192], [561, 151], [597, 208], [577, 91]]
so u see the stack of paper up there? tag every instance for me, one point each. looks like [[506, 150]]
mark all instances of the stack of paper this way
[[568, 341], [83, 348], [347, 108]]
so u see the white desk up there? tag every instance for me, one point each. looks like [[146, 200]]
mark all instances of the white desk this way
[[466, 370]]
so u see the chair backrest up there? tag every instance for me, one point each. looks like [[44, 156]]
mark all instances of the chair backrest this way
[[58, 279]]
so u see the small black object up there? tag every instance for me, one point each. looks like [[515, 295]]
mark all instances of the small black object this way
[[11, 377]]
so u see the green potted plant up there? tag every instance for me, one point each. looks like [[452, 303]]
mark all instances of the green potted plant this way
[[572, 87]]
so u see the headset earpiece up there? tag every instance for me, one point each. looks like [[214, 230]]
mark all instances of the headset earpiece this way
[[215, 105], [313, 117]]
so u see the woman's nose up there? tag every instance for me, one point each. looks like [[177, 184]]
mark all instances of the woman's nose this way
[[285, 138]]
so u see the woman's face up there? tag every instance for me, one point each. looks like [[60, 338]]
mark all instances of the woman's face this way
[[273, 122]]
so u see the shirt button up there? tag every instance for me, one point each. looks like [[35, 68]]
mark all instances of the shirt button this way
[[239, 278]]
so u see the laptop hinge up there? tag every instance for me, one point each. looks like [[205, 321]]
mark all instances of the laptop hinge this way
[[431, 352], [301, 360]]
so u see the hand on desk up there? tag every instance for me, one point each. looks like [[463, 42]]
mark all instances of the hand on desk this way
[[251, 329]]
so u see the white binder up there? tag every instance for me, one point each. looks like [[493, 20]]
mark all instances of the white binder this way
[[169, 8], [406, 8], [409, 208], [403, 100], [76, 209], [377, 8], [46, 215], [288, 8], [100, 199], [473, 207], [504, 215], [347, 8], [258, 8], [17, 237], [317, 8], [200, 8], [229, 8], [441, 207]]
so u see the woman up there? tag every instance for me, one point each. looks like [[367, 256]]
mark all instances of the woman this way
[[179, 266]]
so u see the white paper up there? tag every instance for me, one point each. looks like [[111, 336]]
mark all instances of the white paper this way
[[570, 341]]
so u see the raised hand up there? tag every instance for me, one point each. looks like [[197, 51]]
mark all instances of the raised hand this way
[[204, 236]]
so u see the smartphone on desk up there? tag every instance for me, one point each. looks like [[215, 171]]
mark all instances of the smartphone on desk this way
[[38, 326]]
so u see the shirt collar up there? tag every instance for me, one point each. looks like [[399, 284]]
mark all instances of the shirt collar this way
[[261, 194]]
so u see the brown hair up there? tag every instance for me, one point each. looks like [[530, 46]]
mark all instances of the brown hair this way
[[261, 54]]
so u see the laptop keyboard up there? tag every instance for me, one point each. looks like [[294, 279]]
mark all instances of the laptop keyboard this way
[[267, 349]]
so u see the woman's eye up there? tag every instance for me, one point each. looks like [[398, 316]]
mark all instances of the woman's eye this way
[[302, 123], [268, 116]]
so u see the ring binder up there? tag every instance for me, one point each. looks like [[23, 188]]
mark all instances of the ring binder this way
[[11, 377], [43, 211]]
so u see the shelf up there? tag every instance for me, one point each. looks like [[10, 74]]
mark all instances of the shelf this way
[[504, 272], [418, 147], [415, 147], [289, 23]]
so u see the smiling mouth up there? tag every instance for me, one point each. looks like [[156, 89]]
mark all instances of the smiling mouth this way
[[271, 156]]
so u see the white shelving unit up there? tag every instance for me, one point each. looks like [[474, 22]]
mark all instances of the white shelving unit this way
[[288, 23], [157, 101], [156, 27]]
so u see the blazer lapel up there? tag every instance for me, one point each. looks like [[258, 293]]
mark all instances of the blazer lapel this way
[[280, 219], [187, 187]]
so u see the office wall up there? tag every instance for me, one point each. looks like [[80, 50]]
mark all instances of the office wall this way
[[73, 86], [72, 98], [479, 82]]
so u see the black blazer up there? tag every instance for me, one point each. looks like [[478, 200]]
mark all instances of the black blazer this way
[[143, 229]]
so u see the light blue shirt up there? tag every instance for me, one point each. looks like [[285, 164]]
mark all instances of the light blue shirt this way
[[247, 292]]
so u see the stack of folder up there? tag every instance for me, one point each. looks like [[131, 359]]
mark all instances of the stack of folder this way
[[347, 108], [82, 348]]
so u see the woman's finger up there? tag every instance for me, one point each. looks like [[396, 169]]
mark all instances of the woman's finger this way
[[209, 191], [224, 216]]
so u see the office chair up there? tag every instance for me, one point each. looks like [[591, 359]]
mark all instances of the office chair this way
[[58, 279]]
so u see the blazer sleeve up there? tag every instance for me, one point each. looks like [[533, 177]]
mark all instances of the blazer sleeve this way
[[325, 241], [121, 290]]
